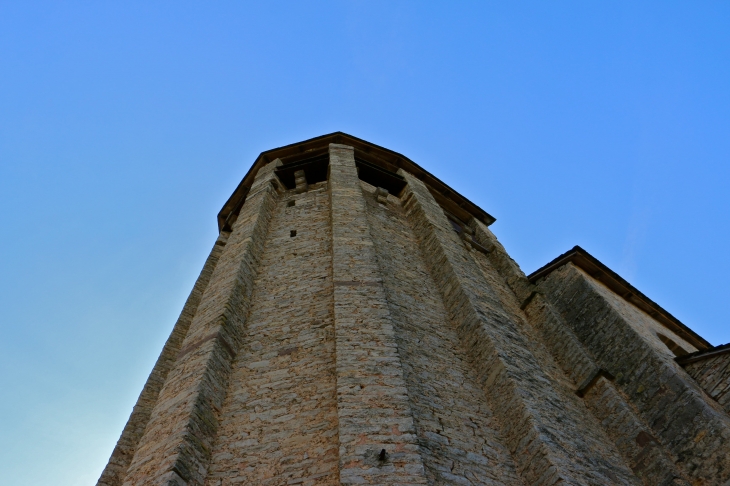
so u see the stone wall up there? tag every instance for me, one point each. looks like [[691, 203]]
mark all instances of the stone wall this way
[[551, 439], [632, 437], [377, 436], [116, 469], [344, 335], [279, 421], [712, 373], [457, 433], [693, 430], [176, 445]]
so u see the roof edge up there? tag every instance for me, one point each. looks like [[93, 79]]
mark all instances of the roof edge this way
[[591, 265], [380, 155], [703, 354]]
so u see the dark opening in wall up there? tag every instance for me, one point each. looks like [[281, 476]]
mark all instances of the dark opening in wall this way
[[456, 223], [292, 233], [673, 347], [315, 170], [379, 177], [456, 226], [291, 203]]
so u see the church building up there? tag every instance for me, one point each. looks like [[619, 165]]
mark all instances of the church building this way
[[358, 323]]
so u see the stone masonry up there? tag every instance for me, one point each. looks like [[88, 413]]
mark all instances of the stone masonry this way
[[358, 323]]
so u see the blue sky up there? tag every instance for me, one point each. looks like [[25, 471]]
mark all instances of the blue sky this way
[[125, 126]]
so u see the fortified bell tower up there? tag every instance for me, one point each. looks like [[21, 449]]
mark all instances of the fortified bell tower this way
[[358, 323]]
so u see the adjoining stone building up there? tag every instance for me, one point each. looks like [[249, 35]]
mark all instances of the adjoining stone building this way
[[357, 322]]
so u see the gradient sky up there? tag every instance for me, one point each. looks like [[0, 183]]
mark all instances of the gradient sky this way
[[124, 126]]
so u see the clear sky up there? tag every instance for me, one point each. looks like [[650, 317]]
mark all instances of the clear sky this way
[[124, 126]]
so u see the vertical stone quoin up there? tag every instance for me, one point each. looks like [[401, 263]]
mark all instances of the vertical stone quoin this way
[[376, 431], [115, 470], [457, 434], [176, 446], [524, 400], [278, 424]]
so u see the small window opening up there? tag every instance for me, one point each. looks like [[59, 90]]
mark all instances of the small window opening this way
[[291, 203], [380, 177], [292, 233], [673, 347], [315, 170]]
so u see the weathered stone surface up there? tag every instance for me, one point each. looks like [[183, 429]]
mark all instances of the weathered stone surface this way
[[459, 438], [177, 442], [527, 401], [694, 431], [279, 421], [116, 469], [712, 373], [650, 463], [374, 331], [372, 400]]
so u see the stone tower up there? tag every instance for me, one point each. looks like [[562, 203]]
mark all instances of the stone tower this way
[[358, 323]]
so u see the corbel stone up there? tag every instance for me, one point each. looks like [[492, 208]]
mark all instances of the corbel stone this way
[[301, 182]]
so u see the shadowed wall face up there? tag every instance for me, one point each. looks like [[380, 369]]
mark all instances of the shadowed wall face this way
[[712, 373], [455, 426]]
